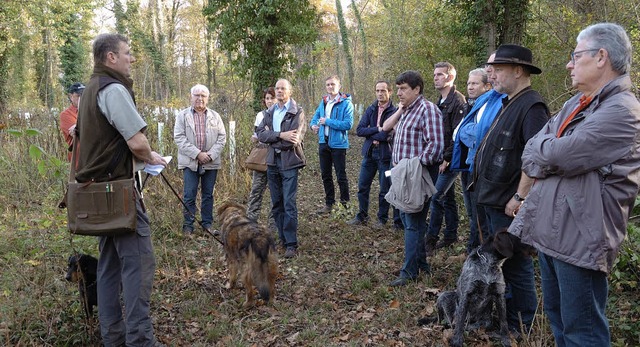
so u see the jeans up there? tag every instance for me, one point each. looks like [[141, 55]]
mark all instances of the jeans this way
[[125, 268], [207, 183], [337, 157], [258, 186], [444, 201], [575, 300], [518, 275], [283, 185], [477, 215], [371, 165], [415, 226]]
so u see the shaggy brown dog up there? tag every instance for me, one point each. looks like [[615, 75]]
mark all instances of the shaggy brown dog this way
[[250, 252]]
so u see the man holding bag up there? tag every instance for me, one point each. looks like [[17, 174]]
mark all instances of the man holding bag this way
[[111, 136]]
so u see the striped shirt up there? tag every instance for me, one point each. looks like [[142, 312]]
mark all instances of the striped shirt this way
[[419, 132], [200, 125]]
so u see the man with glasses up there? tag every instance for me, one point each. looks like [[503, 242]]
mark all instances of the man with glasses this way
[[586, 166], [200, 136], [497, 177]]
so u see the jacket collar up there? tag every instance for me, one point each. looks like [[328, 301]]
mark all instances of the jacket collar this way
[[450, 96], [341, 97]]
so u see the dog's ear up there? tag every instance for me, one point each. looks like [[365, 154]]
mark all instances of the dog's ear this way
[[503, 243]]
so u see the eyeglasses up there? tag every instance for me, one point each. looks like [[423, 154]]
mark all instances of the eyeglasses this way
[[573, 54]]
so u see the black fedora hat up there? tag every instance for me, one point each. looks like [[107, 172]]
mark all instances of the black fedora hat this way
[[518, 55]]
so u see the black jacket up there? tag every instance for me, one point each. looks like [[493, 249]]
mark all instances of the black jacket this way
[[368, 129], [453, 110], [498, 162]]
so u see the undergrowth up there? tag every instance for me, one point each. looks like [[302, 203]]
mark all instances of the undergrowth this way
[[334, 294]]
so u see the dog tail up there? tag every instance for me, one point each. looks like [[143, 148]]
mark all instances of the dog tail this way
[[263, 263]]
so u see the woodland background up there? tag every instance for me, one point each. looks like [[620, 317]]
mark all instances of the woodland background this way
[[335, 292]]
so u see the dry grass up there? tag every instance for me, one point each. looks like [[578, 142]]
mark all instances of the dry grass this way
[[334, 294]]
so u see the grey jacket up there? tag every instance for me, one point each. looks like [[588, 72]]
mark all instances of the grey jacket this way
[[184, 134], [586, 180], [411, 185]]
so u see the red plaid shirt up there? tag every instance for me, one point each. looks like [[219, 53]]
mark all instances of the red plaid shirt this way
[[200, 124], [419, 132]]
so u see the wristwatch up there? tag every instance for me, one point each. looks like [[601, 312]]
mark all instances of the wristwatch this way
[[517, 197]]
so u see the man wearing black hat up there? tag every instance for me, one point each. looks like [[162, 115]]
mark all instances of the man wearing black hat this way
[[498, 181], [69, 116]]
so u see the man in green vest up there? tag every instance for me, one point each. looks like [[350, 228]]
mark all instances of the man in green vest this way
[[109, 126]]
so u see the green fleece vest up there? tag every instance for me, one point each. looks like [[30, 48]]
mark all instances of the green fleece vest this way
[[103, 152]]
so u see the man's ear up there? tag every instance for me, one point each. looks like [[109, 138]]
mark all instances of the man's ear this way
[[603, 55]]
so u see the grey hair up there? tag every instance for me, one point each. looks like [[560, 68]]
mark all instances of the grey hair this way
[[612, 38], [289, 86], [483, 74], [199, 88]]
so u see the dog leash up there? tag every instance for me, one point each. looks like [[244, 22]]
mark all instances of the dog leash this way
[[187, 209]]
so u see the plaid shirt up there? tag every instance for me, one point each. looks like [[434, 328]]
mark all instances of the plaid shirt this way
[[419, 132], [200, 124]]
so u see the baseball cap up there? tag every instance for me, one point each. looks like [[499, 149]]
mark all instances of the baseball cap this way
[[76, 88]]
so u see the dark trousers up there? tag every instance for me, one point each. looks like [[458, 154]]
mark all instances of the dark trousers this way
[[337, 158]]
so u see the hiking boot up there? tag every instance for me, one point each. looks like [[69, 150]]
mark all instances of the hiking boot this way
[[379, 225], [325, 210], [430, 246], [445, 243], [291, 252], [356, 221], [401, 282]]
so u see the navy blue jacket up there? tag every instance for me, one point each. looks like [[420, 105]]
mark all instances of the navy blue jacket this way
[[368, 129]]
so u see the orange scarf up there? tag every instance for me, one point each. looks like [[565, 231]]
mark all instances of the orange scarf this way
[[584, 102]]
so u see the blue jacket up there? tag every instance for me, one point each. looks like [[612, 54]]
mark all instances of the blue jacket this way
[[368, 129], [339, 123], [470, 134]]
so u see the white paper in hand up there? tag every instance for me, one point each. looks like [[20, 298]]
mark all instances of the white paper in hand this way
[[155, 170]]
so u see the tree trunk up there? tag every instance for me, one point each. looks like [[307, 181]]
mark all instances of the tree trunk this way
[[345, 44]]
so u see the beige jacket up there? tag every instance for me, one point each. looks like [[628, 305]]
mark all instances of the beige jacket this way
[[185, 137]]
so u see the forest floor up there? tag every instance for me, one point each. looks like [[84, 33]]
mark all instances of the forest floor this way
[[335, 293]]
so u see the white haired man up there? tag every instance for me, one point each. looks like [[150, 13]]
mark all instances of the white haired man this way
[[200, 136], [586, 166]]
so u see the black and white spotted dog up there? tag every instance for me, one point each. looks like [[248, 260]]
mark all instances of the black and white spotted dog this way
[[480, 289]]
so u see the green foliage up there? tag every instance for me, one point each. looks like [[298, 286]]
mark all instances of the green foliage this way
[[259, 35], [73, 52], [46, 164]]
